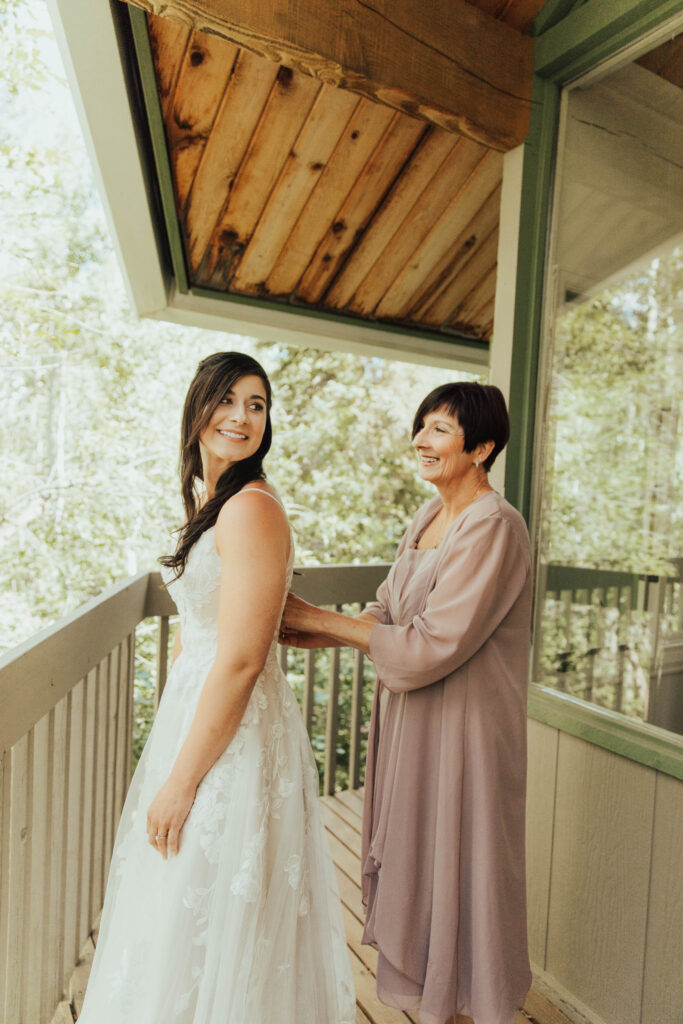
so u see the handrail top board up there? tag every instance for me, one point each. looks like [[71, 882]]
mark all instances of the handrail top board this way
[[35, 675]]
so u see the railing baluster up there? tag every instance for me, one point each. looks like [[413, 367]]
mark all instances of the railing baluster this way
[[590, 658], [125, 685], [74, 832], [309, 692], [34, 978], [356, 720], [5, 801], [130, 713], [162, 658], [113, 683], [87, 852], [19, 876], [112, 770], [332, 721], [564, 605], [55, 905], [99, 791], [623, 605]]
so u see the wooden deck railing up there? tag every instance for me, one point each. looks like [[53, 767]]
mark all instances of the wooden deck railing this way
[[66, 727], [605, 638]]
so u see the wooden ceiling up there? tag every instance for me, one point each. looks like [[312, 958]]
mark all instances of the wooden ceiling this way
[[294, 191], [622, 171]]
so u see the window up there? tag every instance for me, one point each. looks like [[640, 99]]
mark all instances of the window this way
[[609, 626]]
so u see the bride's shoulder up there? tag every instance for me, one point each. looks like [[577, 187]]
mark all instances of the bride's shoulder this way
[[255, 509], [259, 487]]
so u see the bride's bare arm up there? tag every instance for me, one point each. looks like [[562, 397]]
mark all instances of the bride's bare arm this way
[[252, 539]]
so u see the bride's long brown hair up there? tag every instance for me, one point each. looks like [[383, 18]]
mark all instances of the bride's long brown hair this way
[[215, 376]]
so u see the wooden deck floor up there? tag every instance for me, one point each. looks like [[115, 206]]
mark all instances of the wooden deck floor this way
[[342, 819]]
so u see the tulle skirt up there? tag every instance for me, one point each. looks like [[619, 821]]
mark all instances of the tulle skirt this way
[[244, 926]]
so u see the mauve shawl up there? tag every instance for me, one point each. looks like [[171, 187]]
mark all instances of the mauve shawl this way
[[443, 829]]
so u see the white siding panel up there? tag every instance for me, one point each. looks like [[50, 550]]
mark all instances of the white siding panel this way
[[663, 990], [543, 742], [599, 881]]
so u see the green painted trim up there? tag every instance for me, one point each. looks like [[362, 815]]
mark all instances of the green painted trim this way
[[459, 340], [589, 35], [552, 12], [157, 134], [594, 32], [537, 181], [572, 577], [638, 741], [559, 578]]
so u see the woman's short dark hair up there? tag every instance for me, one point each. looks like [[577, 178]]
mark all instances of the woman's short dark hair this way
[[480, 410]]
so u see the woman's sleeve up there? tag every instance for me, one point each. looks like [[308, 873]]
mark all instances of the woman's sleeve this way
[[480, 579], [379, 608]]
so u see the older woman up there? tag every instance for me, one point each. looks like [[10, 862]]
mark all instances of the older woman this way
[[443, 830]]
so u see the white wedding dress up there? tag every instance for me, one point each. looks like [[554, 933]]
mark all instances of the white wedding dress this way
[[244, 926]]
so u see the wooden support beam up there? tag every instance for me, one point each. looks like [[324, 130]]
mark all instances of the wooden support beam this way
[[458, 67]]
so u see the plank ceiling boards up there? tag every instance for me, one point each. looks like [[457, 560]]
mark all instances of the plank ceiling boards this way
[[623, 175], [293, 191]]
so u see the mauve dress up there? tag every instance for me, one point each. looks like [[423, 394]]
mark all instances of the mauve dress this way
[[443, 829]]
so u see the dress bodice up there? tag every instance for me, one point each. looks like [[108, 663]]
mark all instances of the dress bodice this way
[[196, 594]]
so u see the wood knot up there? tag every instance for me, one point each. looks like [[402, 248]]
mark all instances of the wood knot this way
[[285, 76], [228, 237], [354, 135], [338, 227], [327, 257], [317, 166], [197, 58]]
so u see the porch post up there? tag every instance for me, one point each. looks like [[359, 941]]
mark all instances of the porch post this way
[[500, 365]]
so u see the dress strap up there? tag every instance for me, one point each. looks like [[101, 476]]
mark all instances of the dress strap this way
[[261, 490]]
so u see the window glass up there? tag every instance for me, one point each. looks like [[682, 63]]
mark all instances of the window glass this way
[[609, 609]]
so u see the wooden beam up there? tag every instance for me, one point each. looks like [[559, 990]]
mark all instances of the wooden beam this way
[[458, 68]]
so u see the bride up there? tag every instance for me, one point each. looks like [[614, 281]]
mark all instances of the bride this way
[[221, 905]]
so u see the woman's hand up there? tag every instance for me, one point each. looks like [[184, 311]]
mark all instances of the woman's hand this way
[[166, 816], [300, 617], [305, 641], [304, 625]]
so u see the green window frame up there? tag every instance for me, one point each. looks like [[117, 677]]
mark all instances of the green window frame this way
[[572, 37]]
